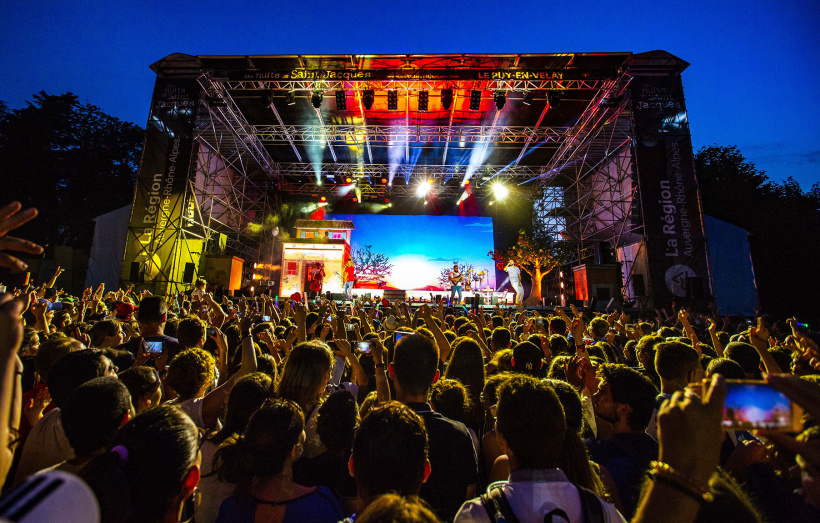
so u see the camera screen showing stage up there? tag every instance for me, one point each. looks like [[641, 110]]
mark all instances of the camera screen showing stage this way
[[418, 252]]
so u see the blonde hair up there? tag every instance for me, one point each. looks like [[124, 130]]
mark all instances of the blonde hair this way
[[305, 373]]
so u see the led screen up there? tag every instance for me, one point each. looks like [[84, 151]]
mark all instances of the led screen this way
[[417, 252]]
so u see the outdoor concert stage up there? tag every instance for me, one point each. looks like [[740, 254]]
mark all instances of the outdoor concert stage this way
[[588, 148]]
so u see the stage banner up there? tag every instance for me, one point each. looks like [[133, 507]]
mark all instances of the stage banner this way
[[673, 221], [159, 199]]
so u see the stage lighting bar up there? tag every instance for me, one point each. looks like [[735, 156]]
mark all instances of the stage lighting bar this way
[[446, 99], [475, 100], [424, 98], [500, 99], [341, 100], [392, 100], [290, 97], [316, 99], [527, 98], [554, 98], [368, 97]]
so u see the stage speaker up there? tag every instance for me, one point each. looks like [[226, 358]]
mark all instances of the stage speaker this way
[[136, 275], [395, 294], [188, 274], [638, 285]]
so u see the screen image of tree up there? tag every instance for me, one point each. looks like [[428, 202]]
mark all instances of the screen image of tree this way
[[418, 252]]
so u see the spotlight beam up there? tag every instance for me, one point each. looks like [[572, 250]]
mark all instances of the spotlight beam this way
[[529, 138], [449, 128], [279, 119], [364, 124], [329, 145]]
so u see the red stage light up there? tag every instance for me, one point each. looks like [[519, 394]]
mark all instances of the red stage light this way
[[387, 200], [384, 181], [467, 182], [355, 199]]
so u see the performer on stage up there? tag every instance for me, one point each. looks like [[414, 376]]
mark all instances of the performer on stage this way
[[455, 280], [317, 275], [349, 278], [515, 280]]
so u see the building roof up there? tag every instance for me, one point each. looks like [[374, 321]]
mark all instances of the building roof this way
[[325, 224]]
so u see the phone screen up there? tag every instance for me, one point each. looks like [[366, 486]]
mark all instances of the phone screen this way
[[364, 346], [755, 405], [349, 326], [338, 371], [399, 334], [211, 332], [265, 318], [153, 347]]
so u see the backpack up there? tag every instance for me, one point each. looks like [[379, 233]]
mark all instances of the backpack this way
[[499, 510]]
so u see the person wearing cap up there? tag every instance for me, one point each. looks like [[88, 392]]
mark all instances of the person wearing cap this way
[[349, 279], [527, 359]]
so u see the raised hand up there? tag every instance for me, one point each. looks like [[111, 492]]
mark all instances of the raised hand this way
[[11, 218]]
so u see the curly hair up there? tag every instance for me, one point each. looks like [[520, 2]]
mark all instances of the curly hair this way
[[190, 370], [450, 399]]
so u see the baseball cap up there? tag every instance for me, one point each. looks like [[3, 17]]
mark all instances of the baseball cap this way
[[527, 358]]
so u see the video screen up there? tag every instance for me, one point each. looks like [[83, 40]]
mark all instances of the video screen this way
[[418, 252]]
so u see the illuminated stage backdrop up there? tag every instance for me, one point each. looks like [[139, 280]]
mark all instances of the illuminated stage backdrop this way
[[419, 248]]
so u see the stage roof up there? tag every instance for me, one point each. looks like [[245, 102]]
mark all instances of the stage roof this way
[[552, 103]]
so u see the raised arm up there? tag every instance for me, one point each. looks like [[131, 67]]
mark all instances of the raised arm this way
[[759, 337], [441, 340]]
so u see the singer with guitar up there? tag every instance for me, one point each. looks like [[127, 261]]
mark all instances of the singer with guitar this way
[[455, 279]]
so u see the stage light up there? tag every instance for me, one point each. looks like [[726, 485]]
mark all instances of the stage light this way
[[316, 99], [323, 199], [341, 100], [392, 100], [384, 181], [475, 100], [425, 202], [430, 181], [255, 265], [422, 189], [390, 205], [348, 180], [500, 99], [554, 98], [368, 96], [251, 289], [424, 98], [466, 182], [446, 99], [501, 191], [527, 97], [355, 199], [560, 274], [387, 200], [490, 202], [290, 97]]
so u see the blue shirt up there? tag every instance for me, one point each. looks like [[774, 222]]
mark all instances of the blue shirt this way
[[319, 506]]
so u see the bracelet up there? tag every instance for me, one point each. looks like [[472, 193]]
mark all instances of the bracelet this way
[[664, 472]]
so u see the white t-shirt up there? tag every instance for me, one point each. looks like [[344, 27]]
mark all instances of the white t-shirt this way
[[514, 272], [534, 493], [213, 491], [46, 446]]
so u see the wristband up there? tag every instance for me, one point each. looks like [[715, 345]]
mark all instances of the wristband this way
[[246, 334], [663, 472], [380, 365]]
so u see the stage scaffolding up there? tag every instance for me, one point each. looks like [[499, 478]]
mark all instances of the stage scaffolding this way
[[573, 152]]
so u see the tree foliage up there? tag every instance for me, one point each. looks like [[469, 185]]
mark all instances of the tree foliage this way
[[71, 161], [783, 222], [536, 257]]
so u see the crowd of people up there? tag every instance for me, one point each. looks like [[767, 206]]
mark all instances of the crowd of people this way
[[218, 409]]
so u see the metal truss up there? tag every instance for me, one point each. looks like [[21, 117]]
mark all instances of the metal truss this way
[[412, 133], [588, 192], [339, 171], [229, 189], [411, 84]]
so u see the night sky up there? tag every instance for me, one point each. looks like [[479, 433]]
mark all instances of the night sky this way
[[754, 79]]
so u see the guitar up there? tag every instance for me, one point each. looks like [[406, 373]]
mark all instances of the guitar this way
[[455, 279]]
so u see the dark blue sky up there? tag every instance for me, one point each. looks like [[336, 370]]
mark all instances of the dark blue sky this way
[[754, 79]]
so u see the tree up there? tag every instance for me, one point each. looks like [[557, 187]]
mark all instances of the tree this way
[[536, 257], [783, 223], [71, 161], [369, 264]]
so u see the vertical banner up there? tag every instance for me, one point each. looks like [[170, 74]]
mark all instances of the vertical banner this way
[[673, 222], [156, 215]]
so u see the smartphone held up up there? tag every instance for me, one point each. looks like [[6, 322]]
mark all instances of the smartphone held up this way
[[752, 404]]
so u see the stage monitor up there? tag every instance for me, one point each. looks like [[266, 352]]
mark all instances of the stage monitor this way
[[417, 252]]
